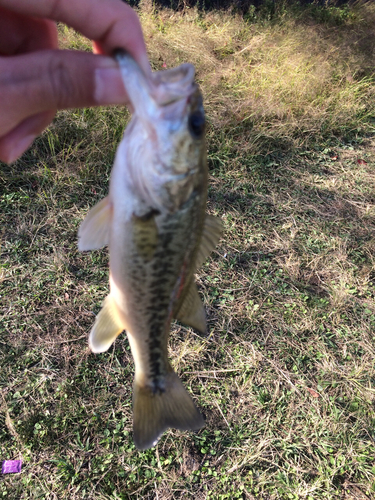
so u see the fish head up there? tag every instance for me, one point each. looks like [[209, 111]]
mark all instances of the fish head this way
[[165, 141]]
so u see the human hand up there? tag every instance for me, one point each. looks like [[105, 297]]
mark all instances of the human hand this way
[[36, 78]]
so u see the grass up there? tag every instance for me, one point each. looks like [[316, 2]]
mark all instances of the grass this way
[[286, 378]]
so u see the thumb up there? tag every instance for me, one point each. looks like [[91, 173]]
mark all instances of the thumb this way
[[55, 79]]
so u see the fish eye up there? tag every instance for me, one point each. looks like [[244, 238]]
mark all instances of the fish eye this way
[[197, 124]]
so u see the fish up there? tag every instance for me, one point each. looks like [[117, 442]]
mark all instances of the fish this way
[[158, 234]]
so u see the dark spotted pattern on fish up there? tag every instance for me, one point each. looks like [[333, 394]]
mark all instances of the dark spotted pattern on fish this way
[[162, 274]]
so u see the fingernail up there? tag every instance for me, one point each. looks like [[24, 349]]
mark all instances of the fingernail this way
[[109, 88], [19, 147]]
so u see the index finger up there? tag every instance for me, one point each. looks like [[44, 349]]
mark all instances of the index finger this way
[[111, 24]]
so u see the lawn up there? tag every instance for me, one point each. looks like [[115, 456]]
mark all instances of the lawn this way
[[286, 376]]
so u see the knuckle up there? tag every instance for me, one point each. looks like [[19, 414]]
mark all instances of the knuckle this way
[[62, 86]]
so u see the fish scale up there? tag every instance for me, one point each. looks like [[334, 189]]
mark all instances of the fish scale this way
[[154, 223], [157, 307]]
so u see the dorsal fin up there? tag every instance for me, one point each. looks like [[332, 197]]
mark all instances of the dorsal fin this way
[[212, 231], [192, 312]]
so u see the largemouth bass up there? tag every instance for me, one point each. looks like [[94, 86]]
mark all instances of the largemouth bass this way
[[154, 222]]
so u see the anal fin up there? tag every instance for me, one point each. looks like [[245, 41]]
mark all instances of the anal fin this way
[[191, 311], [108, 325], [212, 231]]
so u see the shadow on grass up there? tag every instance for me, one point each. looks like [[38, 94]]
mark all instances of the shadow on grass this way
[[266, 8]]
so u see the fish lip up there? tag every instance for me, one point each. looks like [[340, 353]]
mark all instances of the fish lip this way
[[137, 84], [160, 88], [173, 89]]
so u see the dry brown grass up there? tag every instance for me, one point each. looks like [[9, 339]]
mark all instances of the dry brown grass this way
[[287, 81]]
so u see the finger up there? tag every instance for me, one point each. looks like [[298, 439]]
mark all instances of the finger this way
[[111, 23], [20, 138], [22, 34], [56, 79]]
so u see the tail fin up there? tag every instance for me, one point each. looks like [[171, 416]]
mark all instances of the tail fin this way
[[155, 413]]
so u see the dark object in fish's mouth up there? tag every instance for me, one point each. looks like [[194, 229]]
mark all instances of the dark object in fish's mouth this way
[[118, 53]]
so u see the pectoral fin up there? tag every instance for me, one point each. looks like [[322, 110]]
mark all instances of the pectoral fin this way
[[192, 312], [108, 325], [212, 231], [93, 233]]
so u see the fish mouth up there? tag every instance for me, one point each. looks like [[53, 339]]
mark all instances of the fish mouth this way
[[157, 89], [173, 84]]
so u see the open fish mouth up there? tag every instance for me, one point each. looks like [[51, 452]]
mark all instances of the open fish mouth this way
[[163, 87]]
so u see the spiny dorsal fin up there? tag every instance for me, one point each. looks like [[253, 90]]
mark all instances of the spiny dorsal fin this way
[[93, 233], [154, 413], [212, 231], [192, 312], [108, 325]]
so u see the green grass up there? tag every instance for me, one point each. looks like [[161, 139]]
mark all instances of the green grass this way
[[286, 377]]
